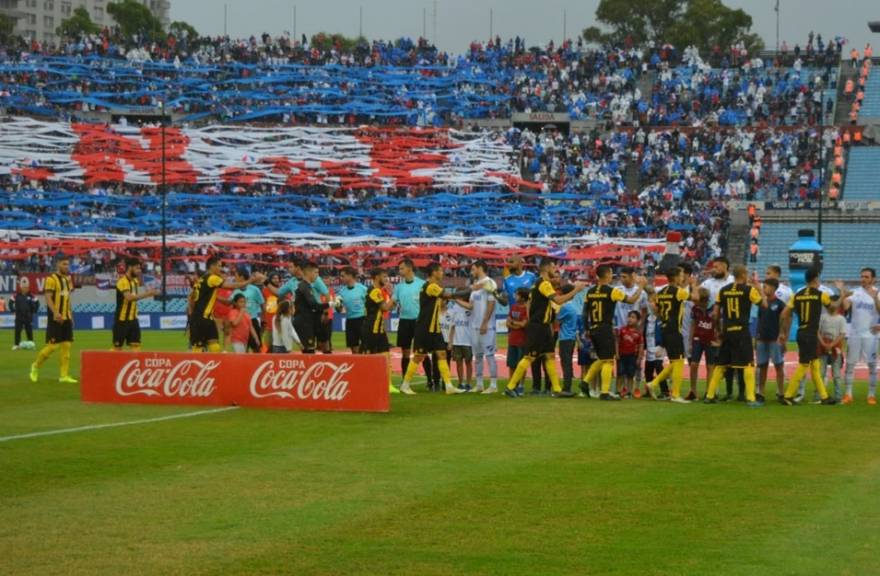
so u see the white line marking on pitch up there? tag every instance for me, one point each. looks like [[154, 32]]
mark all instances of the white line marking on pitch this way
[[115, 424]]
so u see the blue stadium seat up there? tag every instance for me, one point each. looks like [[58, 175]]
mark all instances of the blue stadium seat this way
[[861, 174], [871, 104], [849, 247]]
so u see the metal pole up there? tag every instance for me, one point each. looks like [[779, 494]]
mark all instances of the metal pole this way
[[360, 22], [425, 23], [564, 25], [434, 40], [225, 14], [491, 24], [294, 22], [164, 222], [777, 26]]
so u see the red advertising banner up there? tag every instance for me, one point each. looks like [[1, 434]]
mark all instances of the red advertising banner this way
[[338, 382]]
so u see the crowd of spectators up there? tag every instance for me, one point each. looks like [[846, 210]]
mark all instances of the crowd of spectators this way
[[412, 82]]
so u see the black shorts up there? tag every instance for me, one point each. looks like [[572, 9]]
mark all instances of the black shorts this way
[[353, 329], [674, 345], [406, 333], [59, 331], [126, 332], [427, 342], [373, 343], [201, 331], [736, 350], [808, 346], [539, 340], [627, 366], [305, 329], [602, 338], [323, 329]]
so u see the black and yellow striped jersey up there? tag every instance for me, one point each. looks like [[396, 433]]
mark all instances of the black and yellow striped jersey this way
[[58, 288], [807, 304], [429, 308], [669, 309], [375, 314], [205, 295], [540, 309], [735, 304], [600, 304], [126, 310]]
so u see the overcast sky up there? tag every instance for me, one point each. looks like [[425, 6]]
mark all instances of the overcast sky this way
[[461, 21]]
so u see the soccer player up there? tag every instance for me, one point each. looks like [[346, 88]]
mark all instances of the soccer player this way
[[203, 330], [373, 337], [807, 303], [254, 302], [668, 304], [733, 312], [126, 328], [427, 337], [352, 299], [307, 308], [704, 340], [771, 341], [719, 278], [539, 331], [482, 326], [864, 304], [599, 309], [406, 298], [59, 327]]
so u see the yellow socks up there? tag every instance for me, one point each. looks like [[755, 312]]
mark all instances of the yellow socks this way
[[607, 375], [550, 368], [795, 381], [595, 368], [749, 377], [44, 354], [714, 381], [411, 369], [519, 373], [442, 365], [214, 347], [816, 371], [65, 359], [677, 369]]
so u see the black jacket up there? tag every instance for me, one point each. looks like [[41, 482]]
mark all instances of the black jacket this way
[[25, 307]]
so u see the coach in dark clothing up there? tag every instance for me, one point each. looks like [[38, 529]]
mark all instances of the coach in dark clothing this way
[[25, 307]]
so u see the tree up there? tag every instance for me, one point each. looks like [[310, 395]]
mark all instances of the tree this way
[[132, 17], [718, 26], [183, 30], [79, 24], [638, 21], [702, 23], [326, 41]]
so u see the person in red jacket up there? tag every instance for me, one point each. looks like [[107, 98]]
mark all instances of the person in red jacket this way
[[630, 345]]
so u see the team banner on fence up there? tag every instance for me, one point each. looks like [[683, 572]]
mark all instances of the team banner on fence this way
[[353, 158], [339, 382]]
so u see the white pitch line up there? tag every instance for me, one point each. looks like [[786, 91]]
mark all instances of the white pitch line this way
[[115, 424]]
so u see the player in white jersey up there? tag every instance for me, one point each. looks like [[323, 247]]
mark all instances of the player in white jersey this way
[[784, 292], [864, 304], [482, 326], [720, 277], [621, 312]]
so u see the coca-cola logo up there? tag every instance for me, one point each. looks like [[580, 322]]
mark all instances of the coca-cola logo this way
[[162, 377], [293, 379]]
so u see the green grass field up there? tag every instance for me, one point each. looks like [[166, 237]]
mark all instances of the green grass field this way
[[441, 485]]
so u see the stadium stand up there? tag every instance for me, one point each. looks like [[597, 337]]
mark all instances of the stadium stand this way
[[871, 103], [861, 174]]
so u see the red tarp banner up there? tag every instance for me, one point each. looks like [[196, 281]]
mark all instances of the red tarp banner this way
[[338, 382]]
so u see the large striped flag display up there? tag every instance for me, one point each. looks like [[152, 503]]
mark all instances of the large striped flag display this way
[[353, 158]]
